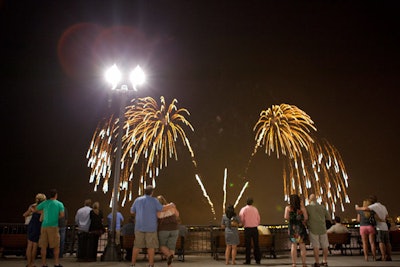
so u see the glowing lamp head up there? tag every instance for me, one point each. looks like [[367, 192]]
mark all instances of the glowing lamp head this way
[[113, 76], [137, 77]]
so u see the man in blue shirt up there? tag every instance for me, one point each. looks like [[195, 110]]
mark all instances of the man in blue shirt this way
[[145, 209], [118, 222]]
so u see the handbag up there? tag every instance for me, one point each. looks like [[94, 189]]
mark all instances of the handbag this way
[[371, 219]]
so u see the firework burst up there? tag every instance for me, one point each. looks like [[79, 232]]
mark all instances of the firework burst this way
[[311, 165], [149, 139], [150, 136], [152, 133]]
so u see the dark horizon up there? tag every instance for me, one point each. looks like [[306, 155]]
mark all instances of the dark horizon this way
[[223, 61]]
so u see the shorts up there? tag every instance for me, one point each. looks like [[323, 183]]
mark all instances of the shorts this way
[[319, 241], [168, 239], [49, 237], [383, 237], [146, 240], [367, 230]]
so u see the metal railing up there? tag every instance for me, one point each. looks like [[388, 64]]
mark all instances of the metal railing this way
[[198, 238]]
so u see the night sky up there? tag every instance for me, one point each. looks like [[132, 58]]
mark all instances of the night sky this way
[[225, 62]]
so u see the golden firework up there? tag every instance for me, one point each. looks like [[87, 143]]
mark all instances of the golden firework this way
[[311, 165], [150, 136], [284, 128]]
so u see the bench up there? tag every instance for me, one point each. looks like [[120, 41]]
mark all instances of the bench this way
[[13, 243], [266, 243], [340, 242], [128, 241]]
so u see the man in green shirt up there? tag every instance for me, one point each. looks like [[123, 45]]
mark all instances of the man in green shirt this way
[[49, 234], [317, 217]]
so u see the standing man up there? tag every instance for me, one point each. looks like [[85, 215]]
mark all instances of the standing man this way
[[250, 218], [82, 217], [82, 220], [118, 222], [62, 225], [381, 227], [317, 217], [145, 208], [49, 234]]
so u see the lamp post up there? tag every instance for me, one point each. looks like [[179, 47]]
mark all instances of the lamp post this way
[[114, 77]]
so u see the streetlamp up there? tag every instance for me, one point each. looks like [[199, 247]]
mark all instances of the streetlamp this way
[[114, 77]]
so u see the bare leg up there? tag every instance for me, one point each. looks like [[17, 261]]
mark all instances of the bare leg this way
[[227, 253], [234, 252], [373, 246], [56, 252], [382, 248], [150, 253], [293, 252], [316, 254], [303, 253], [34, 253], [165, 251], [171, 253], [135, 253], [29, 253], [364, 239], [43, 252], [388, 250], [325, 252]]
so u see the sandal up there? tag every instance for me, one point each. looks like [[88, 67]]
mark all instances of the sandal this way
[[324, 264]]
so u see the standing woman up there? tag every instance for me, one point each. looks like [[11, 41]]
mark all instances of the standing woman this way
[[230, 222], [296, 214], [96, 227], [367, 230], [34, 231], [168, 229]]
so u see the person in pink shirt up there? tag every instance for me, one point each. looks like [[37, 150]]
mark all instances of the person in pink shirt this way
[[250, 218]]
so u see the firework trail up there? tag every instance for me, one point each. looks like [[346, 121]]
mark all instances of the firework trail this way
[[241, 194], [205, 194], [311, 165], [224, 190]]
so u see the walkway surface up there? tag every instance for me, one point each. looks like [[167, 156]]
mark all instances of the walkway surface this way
[[207, 261]]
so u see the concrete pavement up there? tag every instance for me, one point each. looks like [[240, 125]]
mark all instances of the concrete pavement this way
[[207, 261]]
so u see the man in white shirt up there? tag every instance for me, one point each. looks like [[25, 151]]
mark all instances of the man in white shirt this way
[[338, 227], [82, 217], [82, 220]]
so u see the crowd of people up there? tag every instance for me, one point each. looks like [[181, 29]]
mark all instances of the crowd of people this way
[[155, 224], [309, 223]]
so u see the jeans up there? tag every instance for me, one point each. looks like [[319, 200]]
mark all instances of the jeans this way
[[62, 240]]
